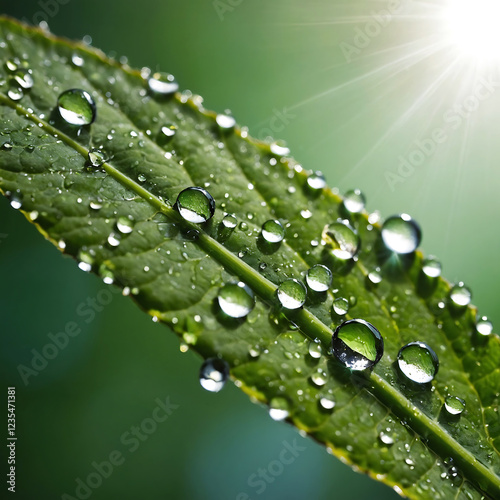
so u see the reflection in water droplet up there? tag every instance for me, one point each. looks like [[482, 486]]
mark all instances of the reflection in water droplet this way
[[15, 93], [375, 277], [460, 295], [431, 267], [484, 327], [279, 408], [229, 221], [168, 131], [342, 239], [319, 377], [454, 405], [316, 181], [76, 107], [96, 157], [357, 344], [225, 121], [327, 403], [213, 374], [292, 294], [319, 278], [16, 201], [163, 84], [77, 60], [114, 239], [340, 306], [418, 362], [354, 201], [401, 234], [125, 225], [315, 349], [273, 231], [386, 439], [278, 148], [236, 299], [195, 204]]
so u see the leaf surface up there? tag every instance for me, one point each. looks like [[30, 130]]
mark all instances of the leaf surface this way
[[173, 269]]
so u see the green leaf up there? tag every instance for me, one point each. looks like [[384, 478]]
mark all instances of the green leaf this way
[[119, 220]]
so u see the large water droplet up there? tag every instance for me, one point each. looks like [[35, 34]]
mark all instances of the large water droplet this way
[[401, 234], [316, 181], [460, 295], [273, 231], [327, 403], [213, 374], [195, 204], [357, 344], [454, 405], [225, 121], [340, 306], [484, 326], [163, 83], [125, 225], [236, 299], [319, 278], [292, 294], [76, 107], [229, 221], [279, 408], [418, 362], [354, 201], [342, 239], [431, 267]]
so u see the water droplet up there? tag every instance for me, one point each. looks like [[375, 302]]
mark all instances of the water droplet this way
[[279, 408], [319, 377], [229, 221], [340, 306], [77, 60], [484, 327], [319, 278], [163, 83], [7, 146], [316, 181], [168, 131], [292, 294], [141, 178], [24, 79], [401, 234], [327, 403], [342, 239], [106, 274], [278, 148], [460, 295], [195, 204], [213, 374], [76, 107], [225, 121], [85, 261], [418, 362], [354, 201], [236, 299], [12, 64], [386, 439], [315, 350], [16, 201], [357, 344], [431, 267], [96, 157], [15, 93], [454, 405], [273, 231], [114, 239], [124, 225]]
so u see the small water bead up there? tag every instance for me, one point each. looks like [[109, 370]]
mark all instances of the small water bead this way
[[375, 277], [24, 79], [354, 201], [431, 267], [97, 157], [319, 278], [460, 295], [327, 403], [292, 294], [141, 178], [163, 84], [7, 146], [12, 64], [15, 93], [125, 225], [77, 60], [484, 327], [229, 221], [319, 377], [225, 121], [214, 373], [418, 362], [77, 107], [386, 439], [114, 239], [340, 306], [279, 408], [357, 344], [195, 204], [315, 350], [343, 239], [273, 231], [454, 405], [279, 148], [85, 261], [401, 234], [316, 181], [16, 201], [236, 299]]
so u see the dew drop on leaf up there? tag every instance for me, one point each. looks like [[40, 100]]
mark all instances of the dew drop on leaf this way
[[213, 374], [163, 84], [195, 204], [15, 93], [96, 157], [340, 306], [273, 231], [431, 267], [386, 439], [375, 277], [418, 362], [401, 234], [342, 240], [292, 294], [225, 121], [24, 79], [236, 299], [319, 377], [454, 405], [357, 344], [229, 221], [114, 239], [315, 349], [76, 107], [279, 148], [125, 225], [168, 131], [319, 278], [460, 295], [77, 60], [316, 181], [484, 326], [279, 408], [16, 201], [327, 403], [354, 201]]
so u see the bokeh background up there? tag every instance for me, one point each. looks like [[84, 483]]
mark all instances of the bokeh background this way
[[352, 106]]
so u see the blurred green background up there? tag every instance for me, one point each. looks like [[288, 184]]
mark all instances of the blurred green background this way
[[283, 67]]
